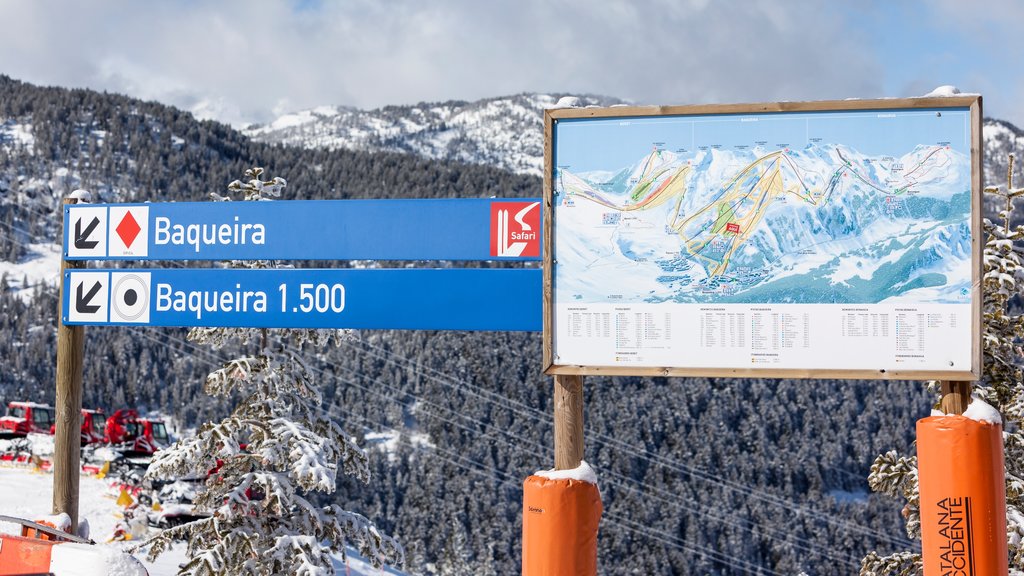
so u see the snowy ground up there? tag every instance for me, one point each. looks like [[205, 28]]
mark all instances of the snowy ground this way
[[40, 264], [28, 494]]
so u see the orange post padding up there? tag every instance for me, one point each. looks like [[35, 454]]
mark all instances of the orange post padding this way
[[560, 521], [29, 532], [20, 555], [963, 497]]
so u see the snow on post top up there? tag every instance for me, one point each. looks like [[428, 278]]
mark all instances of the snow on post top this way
[[82, 196], [978, 410], [946, 91], [981, 411], [568, 102], [583, 473]]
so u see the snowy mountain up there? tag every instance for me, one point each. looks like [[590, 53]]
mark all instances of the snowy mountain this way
[[1001, 139], [506, 132]]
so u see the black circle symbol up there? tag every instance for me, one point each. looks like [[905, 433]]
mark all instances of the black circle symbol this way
[[130, 300]]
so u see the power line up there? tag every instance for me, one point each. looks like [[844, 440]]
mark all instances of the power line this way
[[690, 470], [523, 444], [463, 462], [617, 479], [459, 460]]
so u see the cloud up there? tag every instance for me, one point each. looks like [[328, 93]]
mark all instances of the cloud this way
[[242, 60]]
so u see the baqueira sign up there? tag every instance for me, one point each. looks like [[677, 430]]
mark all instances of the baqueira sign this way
[[427, 229], [822, 239], [363, 298]]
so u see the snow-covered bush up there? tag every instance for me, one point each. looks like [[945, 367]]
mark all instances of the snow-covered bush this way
[[1001, 386], [266, 458]]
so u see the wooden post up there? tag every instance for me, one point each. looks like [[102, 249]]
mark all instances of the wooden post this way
[[956, 395], [568, 422], [67, 446]]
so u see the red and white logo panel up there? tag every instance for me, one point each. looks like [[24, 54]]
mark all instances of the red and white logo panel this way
[[515, 229], [129, 231]]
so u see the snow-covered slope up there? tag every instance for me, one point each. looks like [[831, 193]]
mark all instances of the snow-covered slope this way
[[506, 132], [1001, 139], [27, 494]]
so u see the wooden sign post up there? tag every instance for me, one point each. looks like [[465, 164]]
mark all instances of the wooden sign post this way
[[568, 422], [956, 396], [67, 436]]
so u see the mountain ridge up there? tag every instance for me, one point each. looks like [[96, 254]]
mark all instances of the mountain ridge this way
[[500, 131], [476, 132]]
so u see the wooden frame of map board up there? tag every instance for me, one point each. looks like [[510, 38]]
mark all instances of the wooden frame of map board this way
[[833, 239]]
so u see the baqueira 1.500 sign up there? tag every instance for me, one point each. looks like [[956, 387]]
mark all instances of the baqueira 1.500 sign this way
[[826, 239], [409, 298]]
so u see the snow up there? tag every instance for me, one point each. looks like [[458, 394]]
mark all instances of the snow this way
[[568, 102], [849, 497], [291, 120], [977, 410], [32, 404], [82, 196], [40, 264], [59, 521], [943, 91], [981, 411], [583, 473], [105, 453], [507, 132], [42, 444], [388, 441], [82, 560], [29, 494], [948, 91], [17, 134], [326, 111]]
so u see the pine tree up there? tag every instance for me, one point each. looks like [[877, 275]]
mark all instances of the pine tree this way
[[1001, 386], [268, 457]]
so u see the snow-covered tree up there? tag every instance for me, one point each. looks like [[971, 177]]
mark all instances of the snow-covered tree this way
[[266, 459], [1002, 386]]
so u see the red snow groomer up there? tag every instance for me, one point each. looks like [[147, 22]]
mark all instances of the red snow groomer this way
[[24, 418], [93, 423], [136, 436]]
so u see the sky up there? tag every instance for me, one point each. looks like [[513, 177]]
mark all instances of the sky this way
[[249, 61]]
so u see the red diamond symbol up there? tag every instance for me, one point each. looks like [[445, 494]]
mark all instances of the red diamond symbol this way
[[128, 229]]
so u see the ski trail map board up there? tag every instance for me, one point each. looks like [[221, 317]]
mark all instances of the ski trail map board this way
[[821, 239]]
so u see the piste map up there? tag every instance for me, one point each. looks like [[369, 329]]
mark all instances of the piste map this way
[[850, 207]]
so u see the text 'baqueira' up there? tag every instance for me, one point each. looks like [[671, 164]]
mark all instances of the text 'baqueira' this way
[[199, 235]]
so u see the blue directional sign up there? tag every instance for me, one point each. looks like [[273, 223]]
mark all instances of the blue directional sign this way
[[446, 229], [410, 299]]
